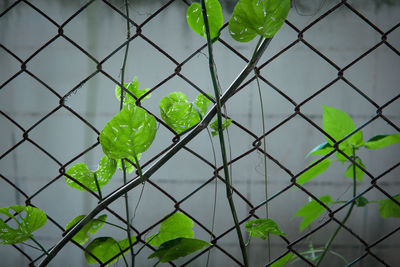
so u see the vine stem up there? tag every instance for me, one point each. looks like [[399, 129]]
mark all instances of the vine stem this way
[[40, 246], [164, 159], [97, 185], [221, 135], [333, 236]]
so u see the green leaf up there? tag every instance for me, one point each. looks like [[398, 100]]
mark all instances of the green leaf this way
[[361, 201], [284, 260], [314, 171], [261, 228], [28, 219], [321, 149], [128, 167], [177, 248], [129, 133], [380, 141], [215, 18], [388, 208], [177, 225], [180, 114], [338, 124], [346, 150], [312, 210], [359, 172], [254, 17], [81, 173], [105, 248], [90, 228], [214, 126], [133, 88]]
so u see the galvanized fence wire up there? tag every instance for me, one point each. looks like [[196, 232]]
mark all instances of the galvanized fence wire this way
[[257, 140]]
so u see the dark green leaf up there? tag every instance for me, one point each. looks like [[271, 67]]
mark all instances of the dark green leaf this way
[[28, 219], [81, 173], [380, 141], [321, 149], [215, 19], [133, 88], [254, 17], [283, 261], [388, 208], [214, 126], [359, 172], [361, 201], [261, 228], [90, 228], [177, 248], [177, 225], [105, 248], [314, 171], [180, 114], [312, 211], [128, 167], [129, 133]]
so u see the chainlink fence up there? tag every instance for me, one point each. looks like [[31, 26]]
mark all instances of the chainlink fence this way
[[367, 249]]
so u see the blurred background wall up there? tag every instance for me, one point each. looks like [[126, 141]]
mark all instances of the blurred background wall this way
[[299, 72]]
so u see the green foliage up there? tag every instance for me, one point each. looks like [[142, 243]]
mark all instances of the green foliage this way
[[359, 173], [90, 228], [261, 228], [177, 225], [284, 260], [28, 219], [180, 114], [381, 141], [215, 18], [105, 248], [388, 208], [314, 171], [254, 17], [321, 149], [312, 210], [361, 201], [128, 166], [214, 126], [133, 88], [128, 133], [81, 173], [177, 248]]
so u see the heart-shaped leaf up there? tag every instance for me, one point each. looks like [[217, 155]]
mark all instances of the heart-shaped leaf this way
[[215, 18], [388, 208], [177, 248], [312, 210], [90, 228], [128, 133], [28, 219], [81, 173], [177, 225], [105, 248], [180, 114], [261, 228], [133, 88], [257, 17]]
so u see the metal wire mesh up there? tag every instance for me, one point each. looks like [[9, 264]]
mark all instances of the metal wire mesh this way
[[256, 139]]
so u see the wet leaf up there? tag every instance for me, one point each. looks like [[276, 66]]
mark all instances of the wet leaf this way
[[90, 228], [128, 166], [133, 88], [214, 126], [261, 228]]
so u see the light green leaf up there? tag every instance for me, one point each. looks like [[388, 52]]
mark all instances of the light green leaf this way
[[128, 167], [177, 248], [338, 124], [81, 173], [314, 171], [380, 141], [312, 210], [346, 150], [129, 133], [214, 126], [359, 172], [28, 219], [284, 260], [90, 228], [321, 149], [180, 114], [261, 228], [177, 225], [388, 208], [254, 17], [105, 248], [215, 18], [133, 88]]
